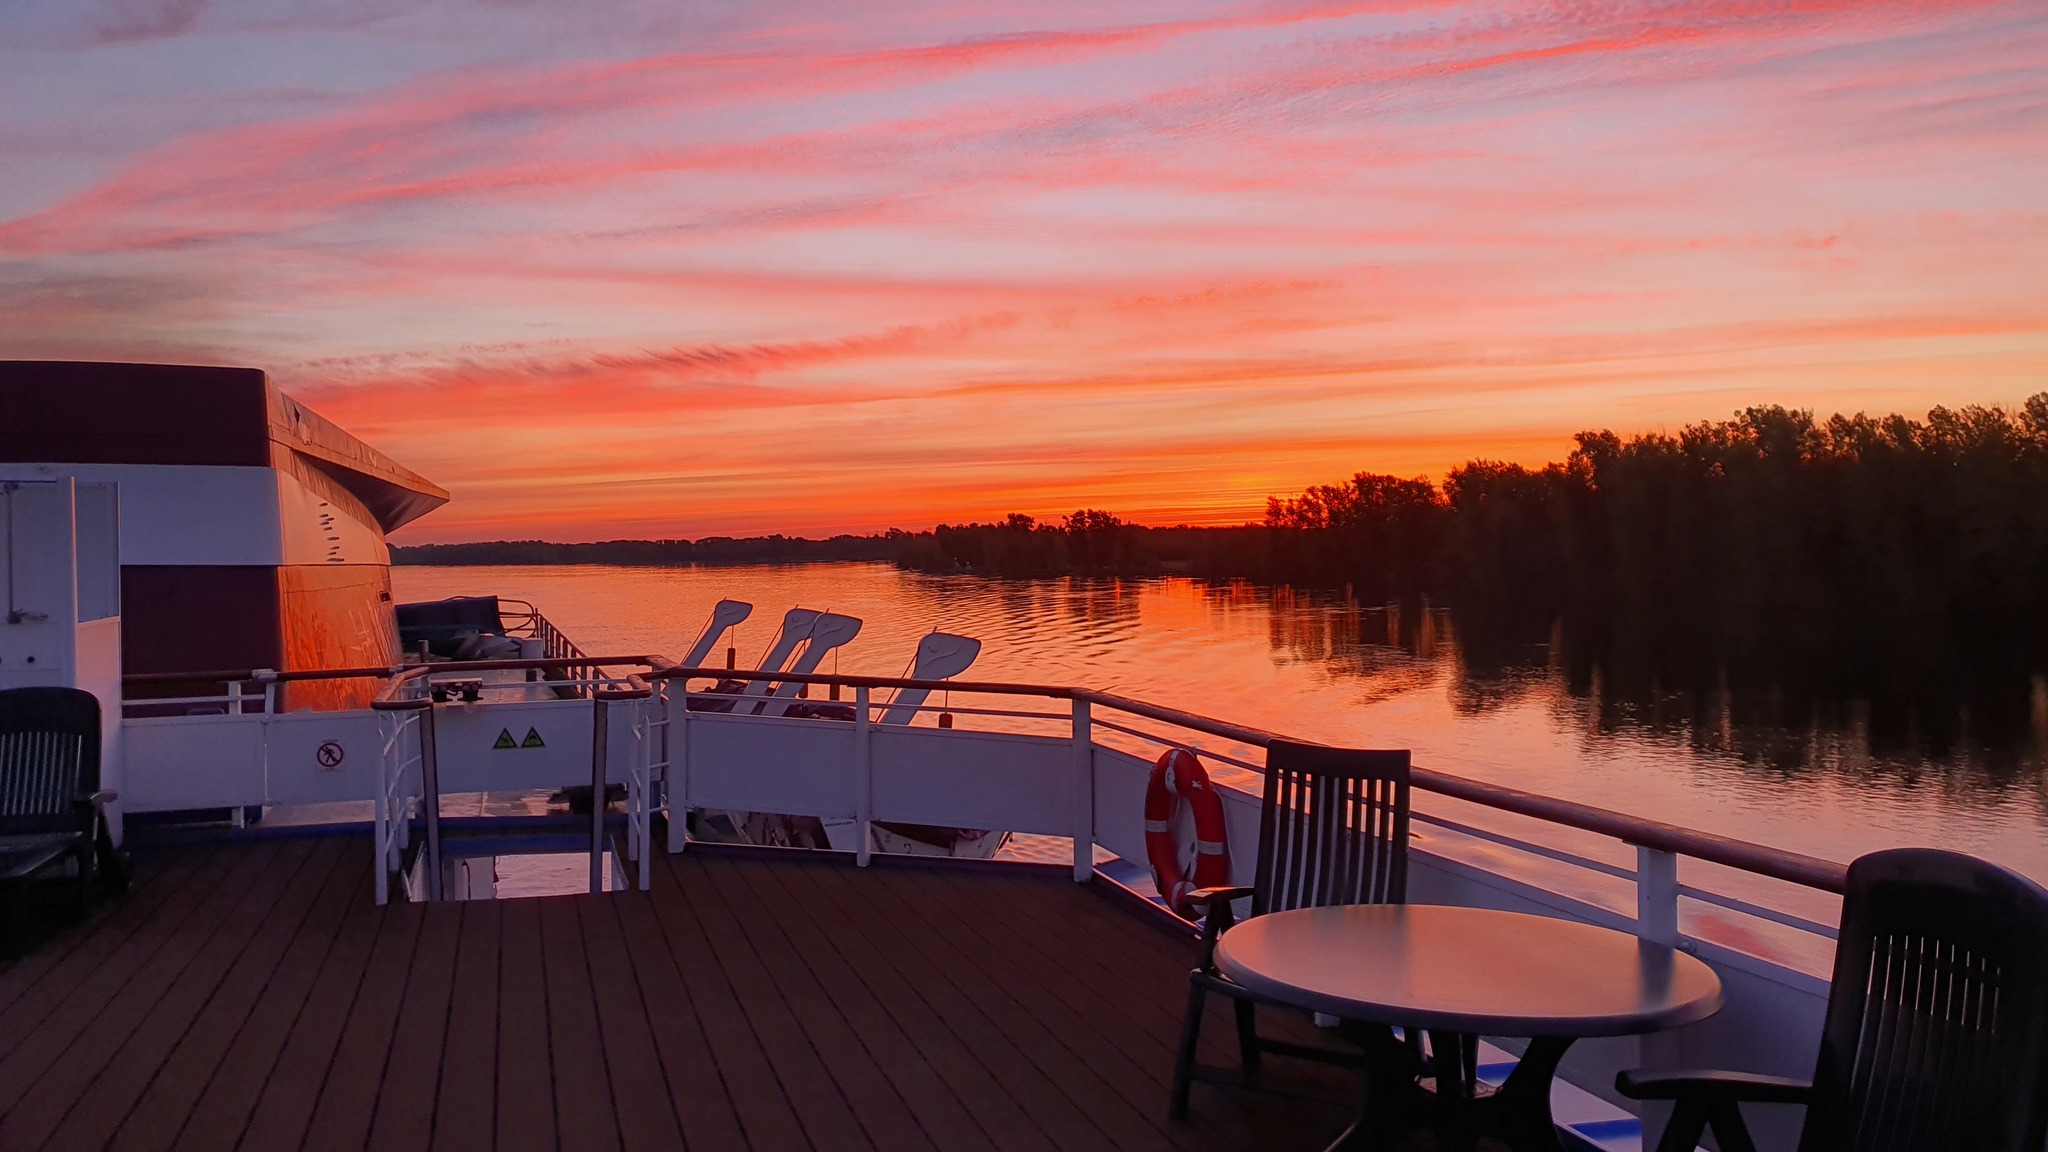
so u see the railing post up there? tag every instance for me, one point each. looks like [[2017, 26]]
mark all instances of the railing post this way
[[430, 784], [382, 827], [643, 764], [1657, 896], [863, 777], [1084, 793], [675, 780], [600, 739]]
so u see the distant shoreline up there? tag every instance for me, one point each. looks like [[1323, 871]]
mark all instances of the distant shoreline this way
[[716, 551]]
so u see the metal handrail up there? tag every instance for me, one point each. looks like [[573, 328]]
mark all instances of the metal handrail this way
[[263, 675], [745, 675], [1776, 863], [636, 686]]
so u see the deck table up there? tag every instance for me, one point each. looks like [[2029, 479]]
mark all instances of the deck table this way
[[1458, 974]]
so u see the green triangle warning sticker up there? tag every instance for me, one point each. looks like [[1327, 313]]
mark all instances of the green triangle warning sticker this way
[[505, 739], [533, 739]]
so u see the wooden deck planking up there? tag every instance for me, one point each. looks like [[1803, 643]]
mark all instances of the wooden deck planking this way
[[146, 893], [884, 984], [100, 961], [465, 1107], [1062, 1118], [867, 1087], [411, 1077], [340, 1120], [526, 1088], [1058, 1042], [228, 1096], [1078, 992], [1077, 957], [176, 1084], [122, 988], [584, 1119], [822, 1109], [937, 1107], [1112, 969], [119, 1055], [294, 1083], [710, 1122], [767, 1110], [250, 996], [645, 1111]]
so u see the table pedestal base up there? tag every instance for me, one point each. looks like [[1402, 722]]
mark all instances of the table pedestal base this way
[[1517, 1113]]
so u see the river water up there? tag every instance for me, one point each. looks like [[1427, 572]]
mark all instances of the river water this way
[[1310, 666]]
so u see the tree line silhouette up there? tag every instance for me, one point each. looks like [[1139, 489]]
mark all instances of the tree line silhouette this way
[[1896, 561], [711, 550], [1888, 559]]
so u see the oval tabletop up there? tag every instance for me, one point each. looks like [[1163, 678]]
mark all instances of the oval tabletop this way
[[1472, 970]]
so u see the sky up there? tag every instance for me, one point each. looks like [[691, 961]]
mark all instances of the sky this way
[[607, 269]]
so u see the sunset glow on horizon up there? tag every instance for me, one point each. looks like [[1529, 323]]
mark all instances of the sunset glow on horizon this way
[[619, 270]]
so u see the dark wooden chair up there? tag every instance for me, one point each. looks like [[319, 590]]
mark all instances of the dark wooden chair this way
[[51, 805], [1333, 829], [1937, 1022]]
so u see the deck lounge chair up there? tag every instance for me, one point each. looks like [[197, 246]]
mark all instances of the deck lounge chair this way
[[1936, 1034], [51, 804], [1333, 829]]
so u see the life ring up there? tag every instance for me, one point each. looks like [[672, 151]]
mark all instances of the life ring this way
[[1176, 777]]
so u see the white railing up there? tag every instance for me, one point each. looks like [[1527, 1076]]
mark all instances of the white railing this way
[[400, 788], [456, 722], [649, 764], [1459, 816]]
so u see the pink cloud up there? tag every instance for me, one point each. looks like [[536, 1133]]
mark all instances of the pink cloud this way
[[810, 274]]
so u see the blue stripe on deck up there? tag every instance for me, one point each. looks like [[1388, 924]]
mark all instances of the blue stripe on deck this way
[[1609, 1129]]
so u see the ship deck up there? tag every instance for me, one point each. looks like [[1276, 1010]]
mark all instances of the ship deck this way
[[248, 994]]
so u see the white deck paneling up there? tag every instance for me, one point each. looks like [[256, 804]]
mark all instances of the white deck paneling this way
[[179, 762], [300, 753], [963, 779], [764, 764], [466, 740]]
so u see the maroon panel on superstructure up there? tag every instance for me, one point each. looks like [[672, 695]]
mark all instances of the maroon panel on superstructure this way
[[54, 411], [186, 617]]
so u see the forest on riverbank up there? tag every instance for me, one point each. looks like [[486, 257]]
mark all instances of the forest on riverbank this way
[[1883, 558], [1889, 559], [711, 550]]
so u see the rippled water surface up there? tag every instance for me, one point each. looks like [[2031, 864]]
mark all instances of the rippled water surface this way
[[1313, 668]]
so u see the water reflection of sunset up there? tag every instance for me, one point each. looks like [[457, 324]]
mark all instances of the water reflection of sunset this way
[[608, 270], [1314, 667]]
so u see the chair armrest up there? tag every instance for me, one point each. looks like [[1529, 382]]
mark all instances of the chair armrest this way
[[1697, 1084], [1201, 897]]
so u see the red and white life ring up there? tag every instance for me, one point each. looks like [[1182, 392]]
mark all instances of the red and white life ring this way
[[1178, 777]]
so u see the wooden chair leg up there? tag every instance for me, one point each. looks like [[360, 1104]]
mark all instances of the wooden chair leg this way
[[1248, 1040], [1730, 1133], [113, 868], [84, 855], [1683, 1131], [16, 942], [1190, 1036]]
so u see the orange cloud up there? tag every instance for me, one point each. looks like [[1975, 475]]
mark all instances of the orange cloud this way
[[802, 272]]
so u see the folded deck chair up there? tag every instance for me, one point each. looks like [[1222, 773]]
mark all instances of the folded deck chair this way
[[51, 804]]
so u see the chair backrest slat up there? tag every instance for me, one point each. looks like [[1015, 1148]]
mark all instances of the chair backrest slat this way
[[1333, 828], [49, 755], [1938, 1018]]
